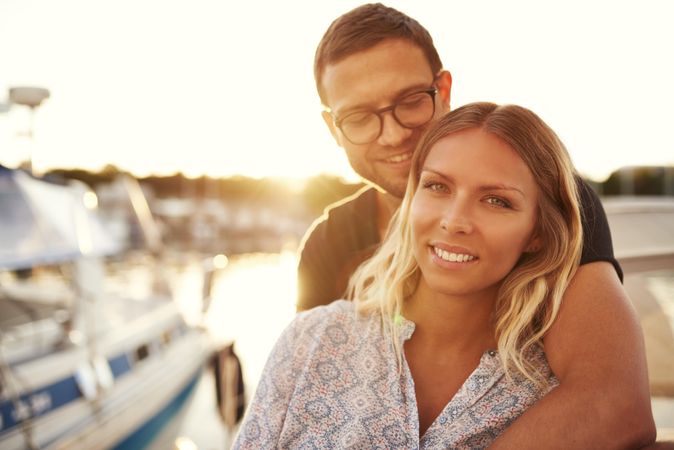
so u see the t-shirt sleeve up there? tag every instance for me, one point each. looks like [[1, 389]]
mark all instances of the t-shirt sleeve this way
[[334, 247], [597, 243], [317, 269]]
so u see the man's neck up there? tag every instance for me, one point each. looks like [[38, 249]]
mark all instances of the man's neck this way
[[387, 205]]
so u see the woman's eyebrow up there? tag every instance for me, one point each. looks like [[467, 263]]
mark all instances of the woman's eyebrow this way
[[501, 187], [485, 187], [434, 172]]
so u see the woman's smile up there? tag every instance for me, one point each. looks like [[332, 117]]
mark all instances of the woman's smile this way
[[453, 255]]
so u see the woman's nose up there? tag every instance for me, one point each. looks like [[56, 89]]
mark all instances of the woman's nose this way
[[457, 218]]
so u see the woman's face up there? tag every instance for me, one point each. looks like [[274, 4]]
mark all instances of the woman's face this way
[[473, 213]]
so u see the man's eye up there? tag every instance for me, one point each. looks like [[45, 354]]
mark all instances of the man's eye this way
[[496, 201], [413, 100], [357, 119]]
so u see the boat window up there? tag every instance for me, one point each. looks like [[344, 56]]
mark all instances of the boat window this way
[[142, 352]]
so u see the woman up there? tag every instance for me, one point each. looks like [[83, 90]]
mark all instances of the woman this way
[[441, 347]]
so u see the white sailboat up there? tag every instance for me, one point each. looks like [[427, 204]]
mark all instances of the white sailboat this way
[[82, 366]]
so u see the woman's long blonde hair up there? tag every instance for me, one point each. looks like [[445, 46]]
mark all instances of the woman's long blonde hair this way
[[530, 296]]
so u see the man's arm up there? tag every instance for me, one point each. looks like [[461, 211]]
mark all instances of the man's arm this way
[[595, 348]]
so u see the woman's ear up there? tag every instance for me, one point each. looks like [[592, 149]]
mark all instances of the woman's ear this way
[[534, 245]]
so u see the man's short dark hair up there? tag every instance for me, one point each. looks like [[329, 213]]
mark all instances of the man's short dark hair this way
[[364, 27]]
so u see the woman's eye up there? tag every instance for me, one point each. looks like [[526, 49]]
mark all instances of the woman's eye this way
[[434, 186], [496, 201]]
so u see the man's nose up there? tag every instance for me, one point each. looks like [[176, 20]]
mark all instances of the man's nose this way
[[392, 133]]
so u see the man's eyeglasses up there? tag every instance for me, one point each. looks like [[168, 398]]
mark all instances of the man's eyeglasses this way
[[410, 111]]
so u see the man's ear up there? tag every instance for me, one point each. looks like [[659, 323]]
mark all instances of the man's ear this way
[[327, 118], [443, 81]]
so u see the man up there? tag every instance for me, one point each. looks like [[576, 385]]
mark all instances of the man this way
[[381, 81]]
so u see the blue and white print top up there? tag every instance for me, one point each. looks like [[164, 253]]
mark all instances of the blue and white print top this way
[[332, 382]]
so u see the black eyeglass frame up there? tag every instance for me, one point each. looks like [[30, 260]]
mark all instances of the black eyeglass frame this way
[[337, 121]]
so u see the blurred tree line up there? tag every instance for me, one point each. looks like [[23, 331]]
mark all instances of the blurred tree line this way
[[315, 193], [652, 181]]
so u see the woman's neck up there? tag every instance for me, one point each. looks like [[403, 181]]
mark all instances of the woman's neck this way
[[452, 323]]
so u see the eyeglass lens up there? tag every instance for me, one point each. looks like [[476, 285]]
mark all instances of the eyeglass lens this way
[[411, 111]]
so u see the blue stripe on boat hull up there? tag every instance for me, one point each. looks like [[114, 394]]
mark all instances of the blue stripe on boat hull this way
[[49, 398], [37, 403], [144, 435]]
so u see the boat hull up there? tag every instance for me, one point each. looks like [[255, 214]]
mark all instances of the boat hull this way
[[144, 397]]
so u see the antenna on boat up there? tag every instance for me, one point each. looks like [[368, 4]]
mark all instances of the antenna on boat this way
[[32, 97]]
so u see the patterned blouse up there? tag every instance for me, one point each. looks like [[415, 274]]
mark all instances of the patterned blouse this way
[[332, 382]]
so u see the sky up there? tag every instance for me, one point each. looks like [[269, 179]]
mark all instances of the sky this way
[[223, 88]]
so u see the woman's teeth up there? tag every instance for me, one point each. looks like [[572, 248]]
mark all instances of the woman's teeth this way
[[452, 257]]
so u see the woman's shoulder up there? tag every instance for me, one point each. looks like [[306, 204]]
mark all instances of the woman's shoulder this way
[[543, 377], [335, 313], [337, 323]]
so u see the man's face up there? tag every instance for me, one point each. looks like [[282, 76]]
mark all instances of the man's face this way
[[373, 79]]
